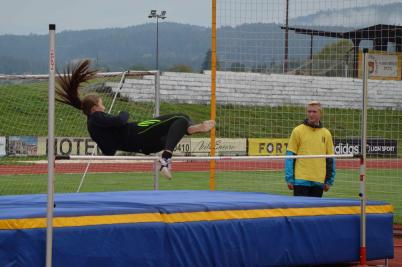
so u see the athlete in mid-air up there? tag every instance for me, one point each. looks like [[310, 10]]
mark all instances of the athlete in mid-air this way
[[112, 133]]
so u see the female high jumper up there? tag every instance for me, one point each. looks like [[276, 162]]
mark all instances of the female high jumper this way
[[112, 133]]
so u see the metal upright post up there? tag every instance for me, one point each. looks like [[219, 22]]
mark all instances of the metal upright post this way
[[50, 138], [157, 113], [363, 198]]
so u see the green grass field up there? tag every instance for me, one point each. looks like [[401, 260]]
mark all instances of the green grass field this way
[[346, 185], [23, 111]]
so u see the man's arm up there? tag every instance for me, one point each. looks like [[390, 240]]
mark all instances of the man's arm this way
[[330, 165], [292, 149], [290, 170], [102, 119], [330, 171]]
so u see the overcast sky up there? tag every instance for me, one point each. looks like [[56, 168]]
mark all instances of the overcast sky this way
[[33, 16]]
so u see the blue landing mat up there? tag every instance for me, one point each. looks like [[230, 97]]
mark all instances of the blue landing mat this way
[[190, 228]]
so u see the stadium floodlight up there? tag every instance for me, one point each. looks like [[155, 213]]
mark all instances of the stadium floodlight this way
[[162, 15], [152, 14]]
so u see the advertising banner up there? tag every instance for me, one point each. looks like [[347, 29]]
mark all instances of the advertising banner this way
[[201, 147], [267, 146], [183, 148], [186, 147], [69, 146], [375, 146], [2, 146], [278, 146], [382, 65], [22, 146]]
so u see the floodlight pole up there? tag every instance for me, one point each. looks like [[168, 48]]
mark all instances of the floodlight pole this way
[[285, 61], [162, 15], [157, 43]]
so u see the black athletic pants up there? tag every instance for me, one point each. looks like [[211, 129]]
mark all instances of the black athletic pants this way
[[307, 191], [160, 133]]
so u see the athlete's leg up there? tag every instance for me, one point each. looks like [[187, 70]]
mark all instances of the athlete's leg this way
[[172, 128], [176, 132], [203, 127], [169, 129], [165, 130]]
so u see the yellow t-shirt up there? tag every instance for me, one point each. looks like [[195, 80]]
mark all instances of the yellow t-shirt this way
[[306, 140]]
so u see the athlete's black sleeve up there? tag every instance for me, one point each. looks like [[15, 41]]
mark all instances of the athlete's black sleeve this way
[[104, 120]]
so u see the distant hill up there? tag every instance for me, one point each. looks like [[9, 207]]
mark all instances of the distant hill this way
[[122, 48], [113, 49], [248, 45], [358, 17]]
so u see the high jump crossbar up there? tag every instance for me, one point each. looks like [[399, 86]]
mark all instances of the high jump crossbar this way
[[203, 158]]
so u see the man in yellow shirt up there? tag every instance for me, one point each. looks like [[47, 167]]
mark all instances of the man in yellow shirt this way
[[310, 177]]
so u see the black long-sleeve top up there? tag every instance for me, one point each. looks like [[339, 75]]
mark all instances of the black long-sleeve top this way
[[109, 132], [113, 133]]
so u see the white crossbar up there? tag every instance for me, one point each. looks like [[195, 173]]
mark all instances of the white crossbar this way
[[73, 157]]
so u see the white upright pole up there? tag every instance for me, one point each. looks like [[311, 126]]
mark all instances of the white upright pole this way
[[50, 138], [157, 113], [363, 198]]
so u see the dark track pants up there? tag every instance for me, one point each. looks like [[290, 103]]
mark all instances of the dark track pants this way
[[162, 133], [308, 191]]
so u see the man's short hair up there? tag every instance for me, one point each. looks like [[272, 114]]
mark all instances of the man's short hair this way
[[315, 103]]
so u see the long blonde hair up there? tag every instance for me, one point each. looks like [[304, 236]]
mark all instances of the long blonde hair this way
[[68, 85]]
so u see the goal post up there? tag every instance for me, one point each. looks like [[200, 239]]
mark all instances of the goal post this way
[[24, 120]]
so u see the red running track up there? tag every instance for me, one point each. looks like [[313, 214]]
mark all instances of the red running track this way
[[184, 166]]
